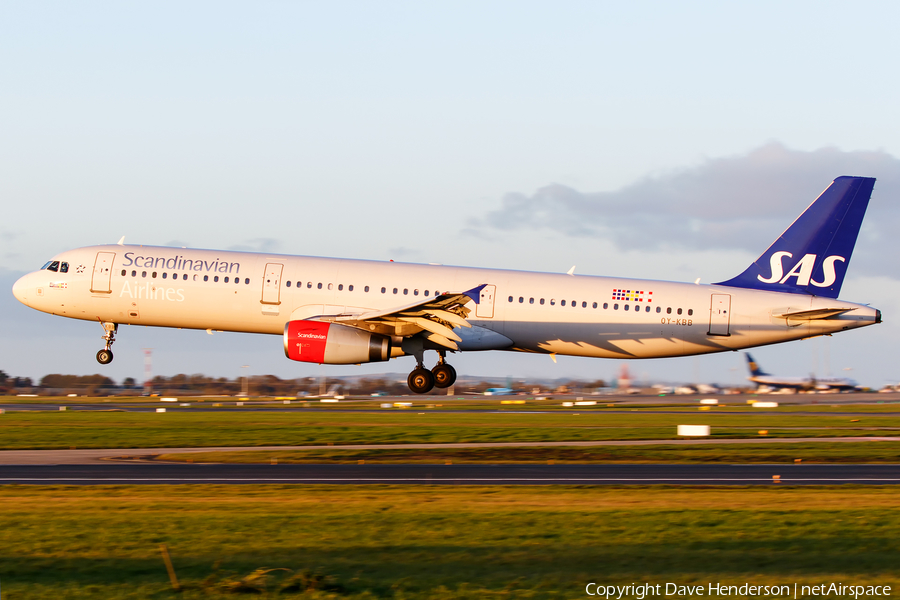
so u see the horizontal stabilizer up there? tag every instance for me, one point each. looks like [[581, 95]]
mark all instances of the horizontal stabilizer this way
[[811, 315]]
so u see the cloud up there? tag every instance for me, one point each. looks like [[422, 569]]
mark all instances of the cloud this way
[[737, 202], [402, 252], [265, 245]]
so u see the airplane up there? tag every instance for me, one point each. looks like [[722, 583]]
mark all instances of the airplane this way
[[341, 311], [499, 391], [762, 378]]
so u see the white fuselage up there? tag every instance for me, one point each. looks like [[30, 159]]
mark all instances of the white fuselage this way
[[604, 317], [804, 383]]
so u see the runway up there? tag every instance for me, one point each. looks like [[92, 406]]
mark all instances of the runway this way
[[642, 474]]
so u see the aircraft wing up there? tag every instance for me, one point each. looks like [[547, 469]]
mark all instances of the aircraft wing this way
[[435, 317]]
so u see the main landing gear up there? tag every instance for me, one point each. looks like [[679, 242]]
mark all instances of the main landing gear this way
[[105, 356], [422, 381]]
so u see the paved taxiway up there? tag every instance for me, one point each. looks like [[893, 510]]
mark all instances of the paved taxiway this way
[[642, 474], [93, 456]]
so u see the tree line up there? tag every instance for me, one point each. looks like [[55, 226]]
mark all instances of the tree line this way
[[257, 385]]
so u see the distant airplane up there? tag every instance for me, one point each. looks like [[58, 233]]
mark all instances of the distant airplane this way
[[760, 377], [337, 311], [502, 391], [331, 393]]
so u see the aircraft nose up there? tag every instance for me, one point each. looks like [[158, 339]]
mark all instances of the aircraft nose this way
[[20, 289]]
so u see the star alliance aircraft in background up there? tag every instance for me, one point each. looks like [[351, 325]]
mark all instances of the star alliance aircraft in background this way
[[339, 311], [763, 379]]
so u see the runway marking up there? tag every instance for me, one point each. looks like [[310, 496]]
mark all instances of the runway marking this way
[[435, 479]]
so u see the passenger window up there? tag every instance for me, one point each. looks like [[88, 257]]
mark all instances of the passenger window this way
[[531, 301], [562, 302], [415, 292], [679, 311], [143, 273], [64, 267], [595, 305], [395, 290], [584, 305], [247, 281], [615, 307], [215, 279], [573, 303], [287, 283], [330, 286], [366, 289], [236, 279], [194, 277], [205, 277], [123, 272], [659, 309], [319, 286], [153, 274], [340, 287], [383, 290], [224, 280], [521, 300], [669, 311], [625, 307], [405, 291], [510, 298], [690, 311], [350, 288], [54, 266], [552, 302], [648, 309], [605, 305], [542, 301]]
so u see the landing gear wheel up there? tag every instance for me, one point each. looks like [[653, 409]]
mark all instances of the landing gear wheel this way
[[444, 375], [104, 357], [420, 381]]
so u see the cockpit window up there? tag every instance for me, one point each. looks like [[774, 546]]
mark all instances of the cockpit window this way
[[46, 264], [64, 267], [54, 266]]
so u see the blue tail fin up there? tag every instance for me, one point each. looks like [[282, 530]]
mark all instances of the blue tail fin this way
[[817, 245], [754, 368]]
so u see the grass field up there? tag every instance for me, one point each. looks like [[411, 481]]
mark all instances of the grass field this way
[[436, 542], [93, 429]]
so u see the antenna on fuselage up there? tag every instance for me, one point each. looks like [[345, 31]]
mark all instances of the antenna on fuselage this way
[[121, 241], [571, 271]]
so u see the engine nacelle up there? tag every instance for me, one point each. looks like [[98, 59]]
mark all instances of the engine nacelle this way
[[333, 344]]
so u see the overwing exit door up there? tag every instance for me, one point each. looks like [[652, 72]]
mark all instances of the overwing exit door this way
[[485, 307], [271, 290], [100, 279], [720, 314]]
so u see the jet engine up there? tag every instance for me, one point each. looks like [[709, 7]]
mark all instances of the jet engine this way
[[333, 344]]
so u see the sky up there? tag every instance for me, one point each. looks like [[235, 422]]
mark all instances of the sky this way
[[651, 139]]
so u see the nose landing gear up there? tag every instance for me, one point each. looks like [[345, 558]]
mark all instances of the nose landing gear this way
[[105, 356]]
